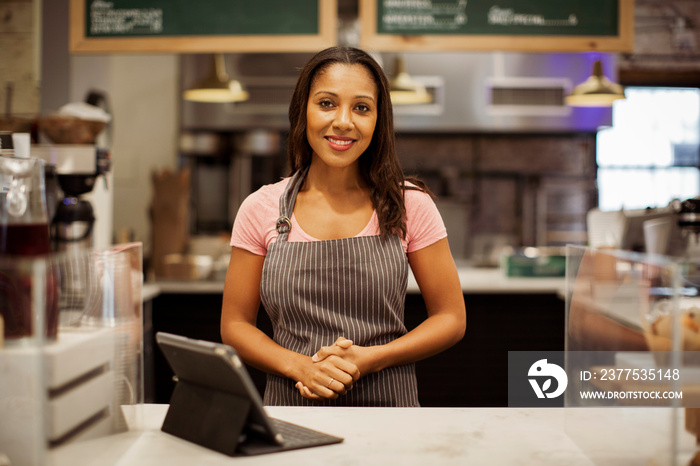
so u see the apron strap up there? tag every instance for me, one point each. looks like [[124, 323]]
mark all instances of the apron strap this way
[[287, 201]]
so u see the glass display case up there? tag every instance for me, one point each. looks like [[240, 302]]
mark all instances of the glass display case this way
[[72, 356], [632, 356]]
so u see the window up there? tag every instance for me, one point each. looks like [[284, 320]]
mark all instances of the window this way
[[650, 155]]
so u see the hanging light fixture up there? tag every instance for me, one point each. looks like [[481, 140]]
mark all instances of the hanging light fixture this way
[[404, 89], [217, 87], [596, 91]]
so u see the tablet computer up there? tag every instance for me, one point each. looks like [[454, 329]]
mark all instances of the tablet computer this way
[[215, 400]]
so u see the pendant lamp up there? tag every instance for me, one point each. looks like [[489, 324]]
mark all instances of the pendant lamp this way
[[596, 91], [217, 87], [404, 90]]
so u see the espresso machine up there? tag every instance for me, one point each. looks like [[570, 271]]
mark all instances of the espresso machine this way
[[688, 222], [673, 230]]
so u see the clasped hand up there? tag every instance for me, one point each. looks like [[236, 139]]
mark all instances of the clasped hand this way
[[331, 372]]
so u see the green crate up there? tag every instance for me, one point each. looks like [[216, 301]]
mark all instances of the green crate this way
[[519, 265]]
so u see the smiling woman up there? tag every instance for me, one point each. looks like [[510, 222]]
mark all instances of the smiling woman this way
[[327, 252], [341, 114]]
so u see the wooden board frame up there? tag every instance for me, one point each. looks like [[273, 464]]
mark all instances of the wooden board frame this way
[[327, 37], [371, 40]]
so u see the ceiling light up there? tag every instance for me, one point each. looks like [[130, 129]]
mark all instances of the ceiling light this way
[[217, 87], [596, 91], [404, 89]]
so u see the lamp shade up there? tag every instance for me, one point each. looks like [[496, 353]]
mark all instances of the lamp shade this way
[[596, 91], [217, 87], [404, 89]]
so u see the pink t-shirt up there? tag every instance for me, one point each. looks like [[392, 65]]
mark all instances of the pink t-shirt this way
[[254, 227]]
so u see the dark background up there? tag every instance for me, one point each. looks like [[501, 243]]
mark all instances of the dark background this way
[[473, 373]]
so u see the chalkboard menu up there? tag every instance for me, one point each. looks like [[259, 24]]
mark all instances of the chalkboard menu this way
[[202, 25], [522, 25]]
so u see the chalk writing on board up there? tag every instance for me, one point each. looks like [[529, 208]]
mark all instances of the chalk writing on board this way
[[509, 17], [422, 14], [105, 19], [428, 16]]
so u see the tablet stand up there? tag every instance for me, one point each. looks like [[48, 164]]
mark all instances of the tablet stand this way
[[211, 418]]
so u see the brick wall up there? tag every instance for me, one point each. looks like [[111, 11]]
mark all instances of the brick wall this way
[[506, 189]]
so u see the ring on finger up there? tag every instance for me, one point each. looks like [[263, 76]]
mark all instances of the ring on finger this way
[[330, 382]]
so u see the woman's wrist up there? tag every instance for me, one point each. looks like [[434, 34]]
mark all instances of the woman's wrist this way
[[376, 359], [293, 368]]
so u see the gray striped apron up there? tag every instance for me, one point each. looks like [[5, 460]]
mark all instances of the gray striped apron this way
[[315, 292]]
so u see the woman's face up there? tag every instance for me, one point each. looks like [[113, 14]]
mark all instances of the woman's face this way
[[341, 114]]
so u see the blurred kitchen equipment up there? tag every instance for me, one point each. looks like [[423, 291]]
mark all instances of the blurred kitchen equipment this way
[[673, 230], [628, 230], [604, 228], [689, 216], [74, 220], [633, 238], [688, 221], [79, 162], [7, 146], [656, 235], [22, 143], [24, 231]]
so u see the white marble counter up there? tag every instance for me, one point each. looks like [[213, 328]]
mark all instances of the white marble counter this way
[[494, 280], [473, 280], [149, 291], [416, 436]]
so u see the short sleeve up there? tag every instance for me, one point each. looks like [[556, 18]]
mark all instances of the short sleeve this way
[[254, 225], [424, 223]]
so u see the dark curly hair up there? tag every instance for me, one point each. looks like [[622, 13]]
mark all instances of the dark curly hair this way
[[379, 165]]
